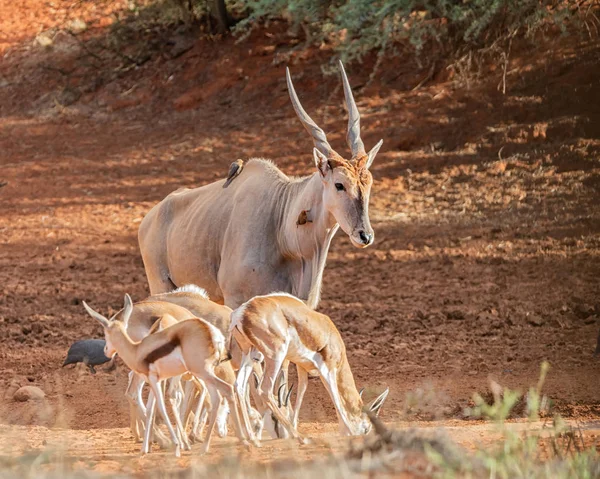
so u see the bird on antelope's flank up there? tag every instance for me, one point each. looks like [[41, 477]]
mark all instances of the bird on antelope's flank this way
[[303, 218], [234, 170], [87, 351]]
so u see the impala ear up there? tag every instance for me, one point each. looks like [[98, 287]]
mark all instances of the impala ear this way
[[321, 162], [373, 153], [376, 404], [97, 316]]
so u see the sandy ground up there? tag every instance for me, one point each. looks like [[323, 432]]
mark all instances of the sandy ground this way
[[111, 451], [487, 252]]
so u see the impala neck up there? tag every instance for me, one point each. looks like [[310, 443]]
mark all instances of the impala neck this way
[[309, 242], [351, 400], [123, 344]]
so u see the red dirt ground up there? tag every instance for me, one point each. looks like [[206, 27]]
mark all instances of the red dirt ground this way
[[485, 207]]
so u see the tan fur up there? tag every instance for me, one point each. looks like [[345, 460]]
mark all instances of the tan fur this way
[[193, 346], [187, 344], [281, 324], [216, 314]]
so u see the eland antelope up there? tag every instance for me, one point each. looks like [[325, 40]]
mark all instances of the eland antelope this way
[[265, 232]]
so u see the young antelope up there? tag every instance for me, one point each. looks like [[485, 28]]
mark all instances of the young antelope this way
[[281, 328]]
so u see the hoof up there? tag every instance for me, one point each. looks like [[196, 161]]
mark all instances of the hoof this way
[[177, 451], [256, 443], [303, 440], [163, 443]]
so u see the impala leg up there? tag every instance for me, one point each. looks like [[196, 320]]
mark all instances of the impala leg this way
[[255, 419], [137, 411], [189, 398], [272, 368], [228, 393], [200, 413], [302, 385], [133, 393], [175, 399], [214, 411], [241, 387], [149, 421], [157, 390], [158, 436]]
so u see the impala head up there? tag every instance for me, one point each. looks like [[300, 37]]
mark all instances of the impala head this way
[[118, 321], [347, 183], [362, 423]]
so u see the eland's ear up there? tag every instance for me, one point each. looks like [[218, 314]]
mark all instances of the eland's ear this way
[[321, 162], [373, 153], [127, 309], [97, 316], [377, 403]]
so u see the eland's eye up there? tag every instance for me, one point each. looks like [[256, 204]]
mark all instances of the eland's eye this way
[[339, 187]]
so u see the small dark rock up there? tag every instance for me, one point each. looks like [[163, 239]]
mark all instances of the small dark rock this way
[[455, 314], [535, 320], [583, 310]]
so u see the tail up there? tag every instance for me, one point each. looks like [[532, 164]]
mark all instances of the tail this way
[[225, 355]]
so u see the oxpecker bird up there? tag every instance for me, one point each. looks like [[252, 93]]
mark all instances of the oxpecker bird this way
[[234, 170]]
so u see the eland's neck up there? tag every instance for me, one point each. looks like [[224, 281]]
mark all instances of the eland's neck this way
[[306, 244]]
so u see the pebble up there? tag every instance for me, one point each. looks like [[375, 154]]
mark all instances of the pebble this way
[[27, 393]]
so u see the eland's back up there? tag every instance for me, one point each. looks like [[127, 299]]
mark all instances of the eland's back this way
[[194, 234]]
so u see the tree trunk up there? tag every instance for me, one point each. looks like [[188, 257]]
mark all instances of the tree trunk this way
[[218, 9]]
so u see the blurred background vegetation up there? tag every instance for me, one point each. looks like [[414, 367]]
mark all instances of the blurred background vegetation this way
[[360, 28]]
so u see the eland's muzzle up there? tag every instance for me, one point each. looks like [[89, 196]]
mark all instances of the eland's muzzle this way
[[365, 238]]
